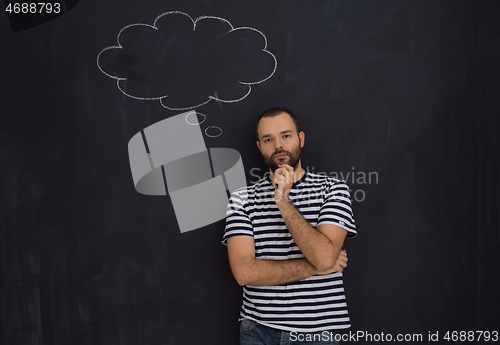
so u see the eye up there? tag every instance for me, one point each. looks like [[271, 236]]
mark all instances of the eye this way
[[267, 140], [286, 136]]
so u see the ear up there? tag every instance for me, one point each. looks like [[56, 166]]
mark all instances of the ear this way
[[302, 137], [258, 144]]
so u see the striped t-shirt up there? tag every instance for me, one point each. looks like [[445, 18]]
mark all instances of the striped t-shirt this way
[[313, 304]]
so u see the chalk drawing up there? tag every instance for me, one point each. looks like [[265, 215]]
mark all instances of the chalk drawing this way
[[214, 129], [130, 61], [196, 177], [190, 114], [186, 63]]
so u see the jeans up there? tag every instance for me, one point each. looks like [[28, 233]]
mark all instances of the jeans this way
[[252, 333]]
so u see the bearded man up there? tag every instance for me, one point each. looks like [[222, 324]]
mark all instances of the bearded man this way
[[284, 236]]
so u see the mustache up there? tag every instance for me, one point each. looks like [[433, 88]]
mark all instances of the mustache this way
[[280, 152]]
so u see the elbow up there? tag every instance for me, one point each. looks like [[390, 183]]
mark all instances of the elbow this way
[[325, 264], [241, 275], [241, 282], [241, 279]]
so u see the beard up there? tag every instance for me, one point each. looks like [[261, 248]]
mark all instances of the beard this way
[[292, 158]]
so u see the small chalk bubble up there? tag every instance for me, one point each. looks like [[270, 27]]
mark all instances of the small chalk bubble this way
[[193, 119], [213, 131]]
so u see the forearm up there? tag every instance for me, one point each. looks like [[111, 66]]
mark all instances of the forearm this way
[[316, 247], [273, 272]]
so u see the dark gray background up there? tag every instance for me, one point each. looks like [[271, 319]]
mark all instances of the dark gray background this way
[[407, 89]]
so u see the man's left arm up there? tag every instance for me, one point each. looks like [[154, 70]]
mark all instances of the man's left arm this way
[[320, 246]]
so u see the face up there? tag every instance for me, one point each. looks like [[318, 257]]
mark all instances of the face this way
[[279, 142]]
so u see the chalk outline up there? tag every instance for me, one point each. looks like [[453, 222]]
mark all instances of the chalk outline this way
[[195, 113], [199, 123], [213, 136], [119, 46]]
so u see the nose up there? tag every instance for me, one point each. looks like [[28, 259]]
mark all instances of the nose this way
[[277, 144]]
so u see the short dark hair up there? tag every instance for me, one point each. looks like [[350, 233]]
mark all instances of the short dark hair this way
[[272, 112]]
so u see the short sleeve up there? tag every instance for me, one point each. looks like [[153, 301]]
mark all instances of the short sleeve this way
[[337, 208], [237, 220]]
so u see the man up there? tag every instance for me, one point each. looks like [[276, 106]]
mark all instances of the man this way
[[284, 236]]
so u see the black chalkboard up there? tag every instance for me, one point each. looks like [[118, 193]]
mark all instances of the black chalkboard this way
[[398, 98]]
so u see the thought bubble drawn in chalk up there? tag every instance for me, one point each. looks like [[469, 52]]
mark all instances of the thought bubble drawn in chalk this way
[[184, 62]]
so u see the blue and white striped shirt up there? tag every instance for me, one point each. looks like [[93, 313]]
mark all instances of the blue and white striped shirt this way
[[313, 304]]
